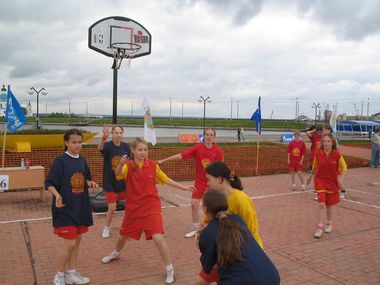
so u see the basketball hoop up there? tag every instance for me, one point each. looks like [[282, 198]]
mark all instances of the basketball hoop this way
[[123, 50]]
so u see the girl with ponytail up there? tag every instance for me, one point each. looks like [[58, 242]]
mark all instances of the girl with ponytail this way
[[227, 243], [222, 179]]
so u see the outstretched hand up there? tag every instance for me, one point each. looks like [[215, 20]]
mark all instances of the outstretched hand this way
[[106, 131]]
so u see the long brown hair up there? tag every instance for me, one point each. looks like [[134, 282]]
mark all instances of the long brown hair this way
[[231, 238], [333, 140]]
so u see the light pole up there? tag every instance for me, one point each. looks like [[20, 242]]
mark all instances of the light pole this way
[[204, 110], [3, 98], [316, 107], [182, 108], [43, 92]]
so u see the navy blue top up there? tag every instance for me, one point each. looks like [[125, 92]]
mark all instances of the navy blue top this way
[[112, 155], [69, 176], [256, 267]]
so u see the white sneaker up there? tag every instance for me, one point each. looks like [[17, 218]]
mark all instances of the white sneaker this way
[[318, 232], [76, 278], [328, 228], [294, 187], [111, 257], [170, 276], [303, 188], [342, 195], [106, 232], [191, 234], [59, 280]]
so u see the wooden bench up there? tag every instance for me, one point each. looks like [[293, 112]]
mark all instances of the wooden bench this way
[[19, 179]]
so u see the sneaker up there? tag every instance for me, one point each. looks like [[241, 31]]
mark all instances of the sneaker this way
[[106, 232], [328, 228], [170, 276], [318, 232], [303, 188], [191, 234], [76, 278], [342, 195], [294, 187], [59, 279], [111, 257], [316, 198]]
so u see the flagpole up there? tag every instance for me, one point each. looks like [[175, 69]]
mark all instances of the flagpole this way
[[257, 154], [4, 139]]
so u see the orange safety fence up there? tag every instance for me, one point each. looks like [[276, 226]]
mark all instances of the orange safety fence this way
[[188, 138]]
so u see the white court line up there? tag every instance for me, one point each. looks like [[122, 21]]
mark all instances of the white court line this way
[[353, 190], [187, 205]]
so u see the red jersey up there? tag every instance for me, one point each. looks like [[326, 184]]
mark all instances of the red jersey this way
[[141, 195], [296, 150], [203, 157], [328, 166], [315, 142]]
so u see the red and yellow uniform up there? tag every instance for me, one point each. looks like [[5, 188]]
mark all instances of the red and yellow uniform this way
[[328, 166], [143, 206], [315, 146], [203, 157], [296, 150]]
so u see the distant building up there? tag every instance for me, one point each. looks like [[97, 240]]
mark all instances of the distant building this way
[[29, 112]]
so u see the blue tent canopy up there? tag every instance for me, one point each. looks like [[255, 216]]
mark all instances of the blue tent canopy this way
[[357, 126]]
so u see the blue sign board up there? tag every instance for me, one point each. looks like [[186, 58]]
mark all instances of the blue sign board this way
[[287, 137]]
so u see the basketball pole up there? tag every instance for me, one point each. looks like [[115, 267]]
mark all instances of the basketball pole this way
[[114, 109]]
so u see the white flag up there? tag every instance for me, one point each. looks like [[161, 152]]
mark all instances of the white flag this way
[[149, 133], [333, 119]]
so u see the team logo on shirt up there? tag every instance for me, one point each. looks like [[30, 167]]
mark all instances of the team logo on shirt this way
[[77, 183], [296, 151], [115, 161], [205, 162]]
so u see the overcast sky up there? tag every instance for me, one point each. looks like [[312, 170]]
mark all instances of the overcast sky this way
[[324, 52]]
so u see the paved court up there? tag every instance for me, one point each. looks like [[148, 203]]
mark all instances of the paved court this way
[[349, 255]]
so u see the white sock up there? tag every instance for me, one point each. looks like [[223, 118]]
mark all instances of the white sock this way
[[195, 226], [70, 271], [169, 267], [60, 273]]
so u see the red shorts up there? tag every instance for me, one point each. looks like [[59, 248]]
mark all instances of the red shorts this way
[[213, 276], [295, 167], [70, 232], [112, 197], [133, 227], [329, 198]]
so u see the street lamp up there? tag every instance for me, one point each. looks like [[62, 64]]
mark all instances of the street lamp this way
[[43, 92], [316, 107], [204, 110]]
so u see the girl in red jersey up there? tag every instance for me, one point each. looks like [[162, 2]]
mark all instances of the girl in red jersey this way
[[315, 137], [143, 205], [296, 154], [203, 153], [329, 167]]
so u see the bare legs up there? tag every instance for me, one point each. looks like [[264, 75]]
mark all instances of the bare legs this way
[[110, 213], [69, 254]]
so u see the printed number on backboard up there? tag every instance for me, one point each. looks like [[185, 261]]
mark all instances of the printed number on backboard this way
[[4, 183]]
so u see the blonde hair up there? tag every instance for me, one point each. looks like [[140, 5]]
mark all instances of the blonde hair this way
[[137, 141]]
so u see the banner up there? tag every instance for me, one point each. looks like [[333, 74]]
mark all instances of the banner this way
[[333, 119], [149, 133], [14, 115], [257, 117]]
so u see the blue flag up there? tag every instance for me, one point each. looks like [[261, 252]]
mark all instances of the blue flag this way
[[14, 115], [257, 117]]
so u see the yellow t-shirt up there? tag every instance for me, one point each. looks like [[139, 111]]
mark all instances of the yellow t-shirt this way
[[161, 177], [240, 204]]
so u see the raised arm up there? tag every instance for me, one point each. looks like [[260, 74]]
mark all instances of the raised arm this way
[[177, 156], [106, 133]]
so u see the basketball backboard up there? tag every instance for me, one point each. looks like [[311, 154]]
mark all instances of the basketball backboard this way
[[115, 36]]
